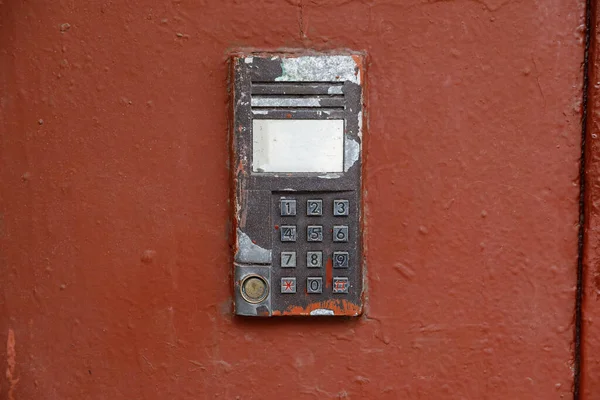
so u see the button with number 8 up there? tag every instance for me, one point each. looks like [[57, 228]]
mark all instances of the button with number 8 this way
[[314, 259]]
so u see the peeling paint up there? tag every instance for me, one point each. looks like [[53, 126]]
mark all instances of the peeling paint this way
[[248, 252], [338, 306], [260, 112], [360, 122], [330, 176], [319, 69], [335, 90], [285, 102], [322, 311], [248, 60], [351, 152]]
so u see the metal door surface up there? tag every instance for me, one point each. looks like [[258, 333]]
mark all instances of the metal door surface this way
[[115, 231]]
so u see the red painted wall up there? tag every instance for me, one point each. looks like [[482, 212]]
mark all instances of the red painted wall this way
[[590, 344], [114, 218]]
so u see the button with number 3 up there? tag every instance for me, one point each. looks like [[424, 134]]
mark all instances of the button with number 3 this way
[[341, 208]]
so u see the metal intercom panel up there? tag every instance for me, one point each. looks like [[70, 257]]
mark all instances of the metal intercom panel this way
[[296, 169]]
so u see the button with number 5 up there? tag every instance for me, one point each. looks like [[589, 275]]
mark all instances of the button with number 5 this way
[[341, 208], [314, 233]]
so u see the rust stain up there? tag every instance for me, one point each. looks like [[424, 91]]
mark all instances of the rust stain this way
[[358, 59], [328, 272], [338, 306]]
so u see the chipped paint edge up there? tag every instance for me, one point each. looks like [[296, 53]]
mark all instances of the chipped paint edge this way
[[249, 252], [322, 68]]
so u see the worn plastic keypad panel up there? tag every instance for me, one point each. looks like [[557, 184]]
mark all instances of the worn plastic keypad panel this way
[[315, 241]]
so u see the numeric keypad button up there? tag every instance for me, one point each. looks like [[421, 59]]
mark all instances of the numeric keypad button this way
[[314, 207], [288, 285], [341, 208], [314, 259], [288, 259], [340, 233], [341, 285], [288, 233], [287, 207], [314, 233], [340, 259], [314, 285]]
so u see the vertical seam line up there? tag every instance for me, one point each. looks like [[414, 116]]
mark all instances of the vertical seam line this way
[[582, 220]]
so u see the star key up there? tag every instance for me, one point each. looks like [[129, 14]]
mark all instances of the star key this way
[[288, 285]]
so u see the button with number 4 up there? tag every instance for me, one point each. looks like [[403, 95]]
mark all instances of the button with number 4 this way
[[341, 208], [288, 233], [340, 233]]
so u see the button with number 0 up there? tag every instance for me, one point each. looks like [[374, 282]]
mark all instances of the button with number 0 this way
[[314, 285]]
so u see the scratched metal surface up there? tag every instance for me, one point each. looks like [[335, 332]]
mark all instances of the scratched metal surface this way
[[114, 233]]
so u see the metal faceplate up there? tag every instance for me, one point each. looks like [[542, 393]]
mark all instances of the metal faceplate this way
[[297, 167]]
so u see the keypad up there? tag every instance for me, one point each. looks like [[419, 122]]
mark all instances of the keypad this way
[[315, 234]]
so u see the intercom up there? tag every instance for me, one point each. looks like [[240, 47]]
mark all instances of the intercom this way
[[296, 138]]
